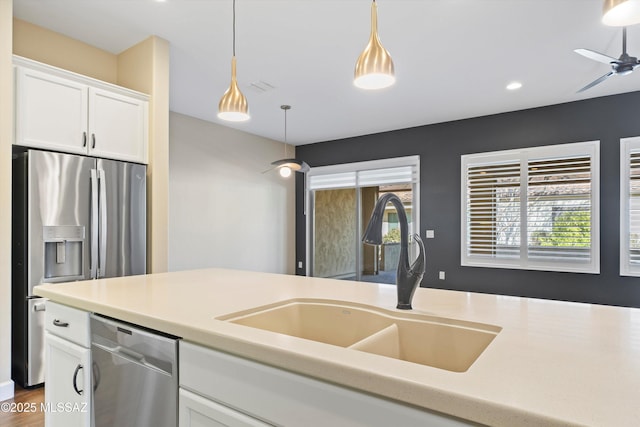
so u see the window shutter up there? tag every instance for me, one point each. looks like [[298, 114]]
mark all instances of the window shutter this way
[[559, 209], [493, 210], [630, 206], [633, 234]]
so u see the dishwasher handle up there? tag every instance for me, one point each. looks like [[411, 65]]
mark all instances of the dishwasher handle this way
[[131, 356], [96, 376]]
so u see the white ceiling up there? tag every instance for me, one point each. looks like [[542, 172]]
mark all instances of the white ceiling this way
[[453, 58]]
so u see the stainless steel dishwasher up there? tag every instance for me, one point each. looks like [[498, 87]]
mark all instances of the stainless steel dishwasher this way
[[135, 375]]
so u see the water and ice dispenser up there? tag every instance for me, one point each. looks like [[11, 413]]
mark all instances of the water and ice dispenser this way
[[63, 252]]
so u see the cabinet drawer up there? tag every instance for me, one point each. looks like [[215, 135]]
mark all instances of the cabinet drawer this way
[[68, 323], [195, 410]]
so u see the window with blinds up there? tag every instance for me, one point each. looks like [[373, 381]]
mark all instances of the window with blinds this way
[[532, 209], [630, 207], [373, 173]]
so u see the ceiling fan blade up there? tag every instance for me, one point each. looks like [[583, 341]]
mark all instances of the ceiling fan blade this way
[[597, 81], [596, 56]]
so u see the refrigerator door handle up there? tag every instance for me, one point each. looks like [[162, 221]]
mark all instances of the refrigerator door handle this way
[[94, 224], [103, 224]]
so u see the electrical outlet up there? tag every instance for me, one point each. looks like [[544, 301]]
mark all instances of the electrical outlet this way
[[441, 275], [299, 264], [430, 234]]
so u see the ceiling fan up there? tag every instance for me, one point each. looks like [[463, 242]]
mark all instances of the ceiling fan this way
[[619, 67]]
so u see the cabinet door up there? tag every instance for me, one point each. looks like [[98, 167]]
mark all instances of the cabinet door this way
[[67, 390], [51, 112], [196, 411], [117, 126], [284, 398]]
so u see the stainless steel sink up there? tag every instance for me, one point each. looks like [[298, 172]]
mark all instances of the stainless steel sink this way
[[434, 341]]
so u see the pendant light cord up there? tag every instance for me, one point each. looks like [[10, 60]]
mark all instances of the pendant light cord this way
[[285, 108], [234, 27]]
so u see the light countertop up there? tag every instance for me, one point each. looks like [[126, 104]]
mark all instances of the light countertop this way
[[553, 363]]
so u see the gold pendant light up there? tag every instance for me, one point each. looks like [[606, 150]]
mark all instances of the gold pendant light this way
[[233, 105], [621, 13], [374, 68]]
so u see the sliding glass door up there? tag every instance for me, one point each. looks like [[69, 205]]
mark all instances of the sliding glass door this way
[[340, 201]]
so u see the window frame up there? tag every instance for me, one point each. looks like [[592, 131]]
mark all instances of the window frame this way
[[523, 261], [347, 175]]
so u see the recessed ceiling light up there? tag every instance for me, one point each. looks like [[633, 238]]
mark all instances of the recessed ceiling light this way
[[514, 86]]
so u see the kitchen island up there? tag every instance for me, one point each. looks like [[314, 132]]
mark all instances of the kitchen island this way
[[552, 363]]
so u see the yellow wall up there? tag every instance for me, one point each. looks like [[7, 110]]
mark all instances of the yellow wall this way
[[53, 48], [6, 138], [145, 68]]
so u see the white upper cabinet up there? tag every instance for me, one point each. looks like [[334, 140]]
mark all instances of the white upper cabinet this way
[[51, 112], [117, 126], [63, 111]]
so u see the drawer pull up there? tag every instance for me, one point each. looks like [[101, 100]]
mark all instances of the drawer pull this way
[[60, 323]]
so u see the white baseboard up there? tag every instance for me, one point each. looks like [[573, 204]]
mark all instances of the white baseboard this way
[[6, 390]]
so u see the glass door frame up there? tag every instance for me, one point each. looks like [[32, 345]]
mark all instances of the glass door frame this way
[[355, 169]]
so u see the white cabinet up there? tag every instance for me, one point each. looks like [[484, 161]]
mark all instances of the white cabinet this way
[[51, 112], [67, 383], [63, 111], [214, 383], [117, 126], [68, 386]]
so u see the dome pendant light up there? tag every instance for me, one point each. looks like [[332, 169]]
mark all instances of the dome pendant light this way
[[374, 68], [621, 13], [286, 166], [233, 105]]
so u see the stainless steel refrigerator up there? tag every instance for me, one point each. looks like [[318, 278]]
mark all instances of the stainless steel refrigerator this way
[[74, 218]]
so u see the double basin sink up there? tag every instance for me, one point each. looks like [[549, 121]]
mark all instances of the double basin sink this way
[[443, 343]]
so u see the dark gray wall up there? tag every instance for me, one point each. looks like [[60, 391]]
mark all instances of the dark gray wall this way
[[440, 146]]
